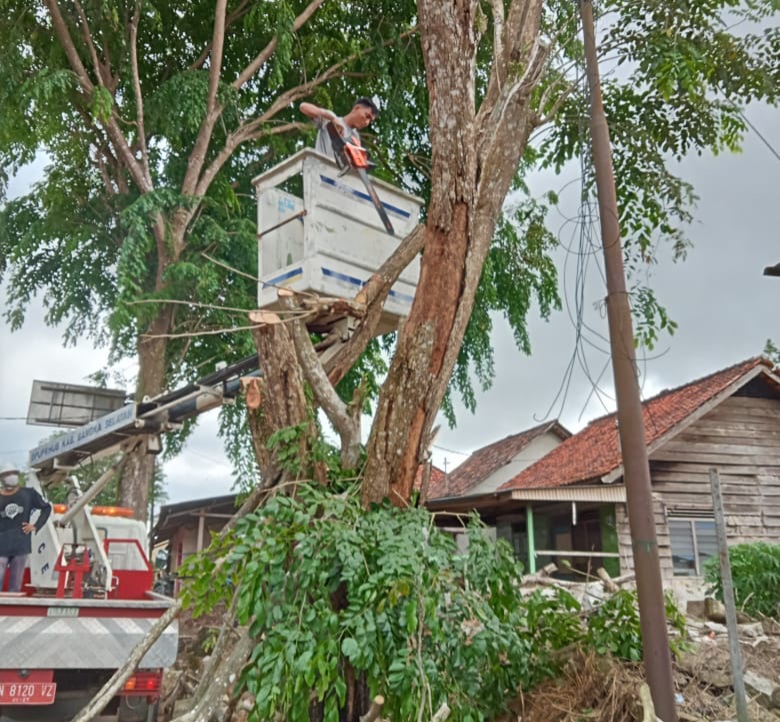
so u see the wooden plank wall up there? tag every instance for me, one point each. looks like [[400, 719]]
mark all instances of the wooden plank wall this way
[[624, 538], [741, 438]]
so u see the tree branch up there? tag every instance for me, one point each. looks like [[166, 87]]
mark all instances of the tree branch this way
[[346, 421], [112, 128], [110, 688], [252, 129], [87, 34], [568, 89], [213, 109], [497, 6], [62, 32], [270, 48], [236, 138], [374, 710], [139, 100], [374, 294], [218, 46], [301, 91], [237, 14]]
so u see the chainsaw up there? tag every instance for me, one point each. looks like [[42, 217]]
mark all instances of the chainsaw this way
[[351, 155]]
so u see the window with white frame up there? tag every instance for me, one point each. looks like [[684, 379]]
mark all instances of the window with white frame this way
[[693, 542]]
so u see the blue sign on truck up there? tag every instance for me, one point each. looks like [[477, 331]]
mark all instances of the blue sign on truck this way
[[108, 424]]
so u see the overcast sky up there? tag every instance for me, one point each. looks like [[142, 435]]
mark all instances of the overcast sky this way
[[725, 308]]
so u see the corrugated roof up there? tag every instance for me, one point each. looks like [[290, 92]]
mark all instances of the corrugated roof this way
[[485, 461], [594, 452]]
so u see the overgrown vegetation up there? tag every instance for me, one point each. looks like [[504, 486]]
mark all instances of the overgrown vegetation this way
[[333, 592], [614, 627], [755, 569]]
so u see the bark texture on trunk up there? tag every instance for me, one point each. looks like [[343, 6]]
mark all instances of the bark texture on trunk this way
[[283, 401], [475, 154], [139, 466]]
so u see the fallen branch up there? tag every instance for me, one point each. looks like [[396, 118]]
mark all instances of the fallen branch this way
[[609, 583], [226, 672], [648, 709], [374, 710], [763, 690], [442, 713]]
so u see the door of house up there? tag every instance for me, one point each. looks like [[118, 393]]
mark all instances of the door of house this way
[[586, 537]]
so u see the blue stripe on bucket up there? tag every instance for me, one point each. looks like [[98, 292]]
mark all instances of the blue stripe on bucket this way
[[344, 188], [403, 297], [283, 277]]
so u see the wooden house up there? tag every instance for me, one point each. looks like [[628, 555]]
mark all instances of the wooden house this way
[[570, 504], [187, 527]]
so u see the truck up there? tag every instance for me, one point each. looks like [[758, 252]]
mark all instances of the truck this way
[[88, 595], [87, 601]]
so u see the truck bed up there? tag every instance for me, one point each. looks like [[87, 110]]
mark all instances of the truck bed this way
[[44, 632]]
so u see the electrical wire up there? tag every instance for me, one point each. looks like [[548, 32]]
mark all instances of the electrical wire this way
[[764, 140]]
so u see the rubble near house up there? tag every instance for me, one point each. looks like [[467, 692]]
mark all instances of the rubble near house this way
[[600, 689]]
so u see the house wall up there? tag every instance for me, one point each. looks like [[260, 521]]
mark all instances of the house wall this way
[[625, 546], [184, 541], [535, 450], [741, 438]]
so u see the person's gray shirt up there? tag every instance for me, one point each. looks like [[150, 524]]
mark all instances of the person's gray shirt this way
[[323, 144]]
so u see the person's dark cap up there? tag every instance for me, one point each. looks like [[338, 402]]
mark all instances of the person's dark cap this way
[[368, 103]]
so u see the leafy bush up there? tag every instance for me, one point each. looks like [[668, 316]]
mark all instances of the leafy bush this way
[[322, 583], [331, 592], [755, 569], [614, 628]]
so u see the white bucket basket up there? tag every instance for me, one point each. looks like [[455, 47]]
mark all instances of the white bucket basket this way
[[329, 241]]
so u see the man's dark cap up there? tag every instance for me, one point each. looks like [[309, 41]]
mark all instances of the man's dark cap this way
[[368, 103]]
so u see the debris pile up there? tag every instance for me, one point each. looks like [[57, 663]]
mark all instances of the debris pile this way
[[601, 689]]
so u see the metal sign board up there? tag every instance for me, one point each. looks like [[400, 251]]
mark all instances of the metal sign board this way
[[56, 404], [80, 438]]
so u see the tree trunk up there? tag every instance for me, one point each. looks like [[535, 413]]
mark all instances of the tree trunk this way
[[417, 375], [283, 403], [475, 155], [139, 467]]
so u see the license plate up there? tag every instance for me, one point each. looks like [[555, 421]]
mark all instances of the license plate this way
[[27, 692]]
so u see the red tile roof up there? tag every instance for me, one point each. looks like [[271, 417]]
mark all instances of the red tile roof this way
[[594, 451], [437, 478], [485, 461]]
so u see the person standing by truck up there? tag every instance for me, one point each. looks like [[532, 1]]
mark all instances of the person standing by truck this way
[[17, 503]]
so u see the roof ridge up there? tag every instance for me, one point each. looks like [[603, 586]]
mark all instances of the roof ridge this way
[[591, 452], [525, 432], [749, 362]]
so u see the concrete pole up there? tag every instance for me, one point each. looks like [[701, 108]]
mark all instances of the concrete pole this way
[[529, 530], [636, 469], [201, 531], [740, 696]]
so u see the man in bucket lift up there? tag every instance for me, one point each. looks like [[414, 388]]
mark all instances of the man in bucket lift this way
[[16, 505], [363, 113]]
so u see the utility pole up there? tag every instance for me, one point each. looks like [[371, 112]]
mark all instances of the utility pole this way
[[636, 468]]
